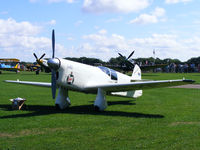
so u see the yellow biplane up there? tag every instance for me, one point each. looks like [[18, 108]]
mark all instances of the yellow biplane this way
[[10, 64]]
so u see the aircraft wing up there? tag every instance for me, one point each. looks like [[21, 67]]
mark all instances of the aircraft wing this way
[[9, 69], [117, 87], [44, 84]]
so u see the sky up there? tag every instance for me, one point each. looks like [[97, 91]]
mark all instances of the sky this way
[[100, 28]]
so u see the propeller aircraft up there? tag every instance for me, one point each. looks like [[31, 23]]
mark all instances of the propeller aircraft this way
[[42, 63], [128, 64], [39, 65], [6, 64], [69, 75]]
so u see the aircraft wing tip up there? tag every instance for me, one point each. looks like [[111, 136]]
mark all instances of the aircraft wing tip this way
[[12, 80], [188, 80]]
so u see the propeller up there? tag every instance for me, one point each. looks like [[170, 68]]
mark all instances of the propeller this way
[[53, 73], [53, 44], [130, 55], [125, 56], [54, 64], [127, 62], [39, 61], [35, 56], [42, 56], [121, 55]]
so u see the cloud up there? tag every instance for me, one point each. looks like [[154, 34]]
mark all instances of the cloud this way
[[70, 38], [4, 12], [114, 6], [21, 39], [102, 45], [78, 23], [114, 20], [52, 22], [176, 1], [158, 12], [10, 26], [167, 46], [155, 16], [105, 46], [103, 31], [196, 22], [144, 19]]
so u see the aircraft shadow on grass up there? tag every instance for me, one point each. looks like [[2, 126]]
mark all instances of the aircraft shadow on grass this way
[[127, 102], [39, 110]]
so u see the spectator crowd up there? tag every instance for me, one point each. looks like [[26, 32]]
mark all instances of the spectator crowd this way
[[181, 68]]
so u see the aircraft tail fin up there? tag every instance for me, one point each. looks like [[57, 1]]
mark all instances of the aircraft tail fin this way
[[17, 66], [137, 74]]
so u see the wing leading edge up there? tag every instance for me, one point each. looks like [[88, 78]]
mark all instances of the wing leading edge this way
[[116, 87], [43, 84]]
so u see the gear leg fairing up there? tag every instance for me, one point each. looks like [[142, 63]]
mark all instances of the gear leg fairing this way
[[100, 102], [62, 100]]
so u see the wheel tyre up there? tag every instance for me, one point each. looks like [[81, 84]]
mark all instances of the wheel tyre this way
[[96, 108]]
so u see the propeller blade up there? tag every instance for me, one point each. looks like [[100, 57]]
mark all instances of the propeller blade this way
[[42, 56], [120, 55], [130, 55], [35, 56], [53, 44], [53, 72], [53, 83], [130, 64]]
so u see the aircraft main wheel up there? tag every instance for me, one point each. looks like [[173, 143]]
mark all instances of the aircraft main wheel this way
[[96, 108], [57, 107]]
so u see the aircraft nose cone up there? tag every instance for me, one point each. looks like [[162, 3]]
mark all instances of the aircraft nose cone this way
[[54, 63]]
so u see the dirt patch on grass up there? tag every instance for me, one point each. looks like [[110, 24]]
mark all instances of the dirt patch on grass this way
[[28, 132], [5, 135], [188, 86], [184, 123]]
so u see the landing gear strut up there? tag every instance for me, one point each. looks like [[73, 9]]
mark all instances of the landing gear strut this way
[[62, 100], [100, 103]]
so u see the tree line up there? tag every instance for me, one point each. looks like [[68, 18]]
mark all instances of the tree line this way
[[120, 61]]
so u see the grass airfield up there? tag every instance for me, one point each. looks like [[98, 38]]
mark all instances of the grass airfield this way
[[165, 118]]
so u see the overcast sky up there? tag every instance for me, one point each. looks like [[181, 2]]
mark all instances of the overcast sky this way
[[100, 28]]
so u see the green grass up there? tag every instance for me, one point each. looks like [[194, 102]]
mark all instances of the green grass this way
[[162, 118]]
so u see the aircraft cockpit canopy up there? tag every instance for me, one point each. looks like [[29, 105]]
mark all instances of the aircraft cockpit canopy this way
[[110, 72]]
